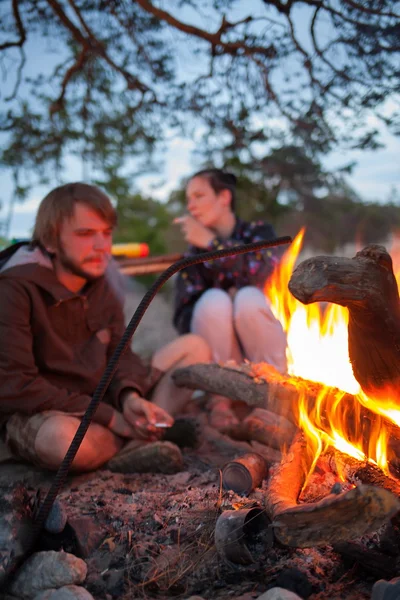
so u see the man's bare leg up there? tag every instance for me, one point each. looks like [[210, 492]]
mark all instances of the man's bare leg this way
[[182, 352], [55, 436]]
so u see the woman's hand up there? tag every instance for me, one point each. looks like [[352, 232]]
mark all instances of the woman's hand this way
[[194, 232], [145, 417]]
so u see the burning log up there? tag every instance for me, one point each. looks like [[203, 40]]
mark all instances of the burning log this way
[[288, 478], [270, 391], [353, 469], [366, 285], [334, 519], [262, 386]]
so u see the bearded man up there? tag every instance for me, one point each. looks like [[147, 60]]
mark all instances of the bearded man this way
[[61, 318]]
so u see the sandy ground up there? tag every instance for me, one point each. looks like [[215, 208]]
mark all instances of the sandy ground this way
[[153, 535]]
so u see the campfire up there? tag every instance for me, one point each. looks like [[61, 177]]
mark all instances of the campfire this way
[[335, 417], [316, 451], [318, 351]]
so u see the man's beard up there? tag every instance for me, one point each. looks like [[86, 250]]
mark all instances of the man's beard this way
[[74, 268]]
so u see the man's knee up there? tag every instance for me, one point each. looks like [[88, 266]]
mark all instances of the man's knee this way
[[56, 434], [54, 438]]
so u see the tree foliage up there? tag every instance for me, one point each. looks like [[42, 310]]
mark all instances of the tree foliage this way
[[121, 75]]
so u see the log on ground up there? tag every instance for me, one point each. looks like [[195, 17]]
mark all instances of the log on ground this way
[[265, 427], [336, 518]]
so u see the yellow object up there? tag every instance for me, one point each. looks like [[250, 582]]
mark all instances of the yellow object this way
[[130, 250]]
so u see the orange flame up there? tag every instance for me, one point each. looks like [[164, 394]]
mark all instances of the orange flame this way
[[317, 351]]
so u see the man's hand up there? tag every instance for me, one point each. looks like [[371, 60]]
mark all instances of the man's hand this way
[[120, 426], [194, 232], [143, 416]]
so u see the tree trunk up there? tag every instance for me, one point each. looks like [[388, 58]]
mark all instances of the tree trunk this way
[[367, 286]]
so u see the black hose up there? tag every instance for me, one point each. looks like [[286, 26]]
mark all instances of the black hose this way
[[113, 362]]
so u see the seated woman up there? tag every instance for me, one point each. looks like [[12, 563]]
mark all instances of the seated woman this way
[[223, 300]]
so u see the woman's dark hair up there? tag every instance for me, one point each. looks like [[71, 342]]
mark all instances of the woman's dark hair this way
[[220, 180]]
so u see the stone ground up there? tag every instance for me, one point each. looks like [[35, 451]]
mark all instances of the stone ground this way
[[152, 536]]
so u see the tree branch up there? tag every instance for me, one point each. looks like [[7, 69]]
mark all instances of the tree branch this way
[[13, 94], [215, 39], [308, 63], [322, 56], [92, 45], [57, 105], [81, 19], [371, 11], [20, 27]]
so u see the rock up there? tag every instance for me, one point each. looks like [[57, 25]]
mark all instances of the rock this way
[[57, 518], [46, 570], [386, 590], [277, 593], [15, 527], [114, 581], [67, 592], [294, 580]]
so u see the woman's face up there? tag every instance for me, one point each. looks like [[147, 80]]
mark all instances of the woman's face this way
[[204, 204]]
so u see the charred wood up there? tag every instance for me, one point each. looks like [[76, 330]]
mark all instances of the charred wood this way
[[353, 470], [288, 478], [372, 560], [336, 518], [366, 285], [265, 427]]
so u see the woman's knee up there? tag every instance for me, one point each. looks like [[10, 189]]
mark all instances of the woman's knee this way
[[212, 304], [190, 348], [248, 300], [196, 348]]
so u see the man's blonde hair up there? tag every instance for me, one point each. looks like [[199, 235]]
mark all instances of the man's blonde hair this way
[[59, 205]]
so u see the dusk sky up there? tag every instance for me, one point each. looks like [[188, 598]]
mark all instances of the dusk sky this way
[[375, 178]]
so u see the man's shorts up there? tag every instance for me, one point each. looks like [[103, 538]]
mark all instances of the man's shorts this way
[[18, 435]]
